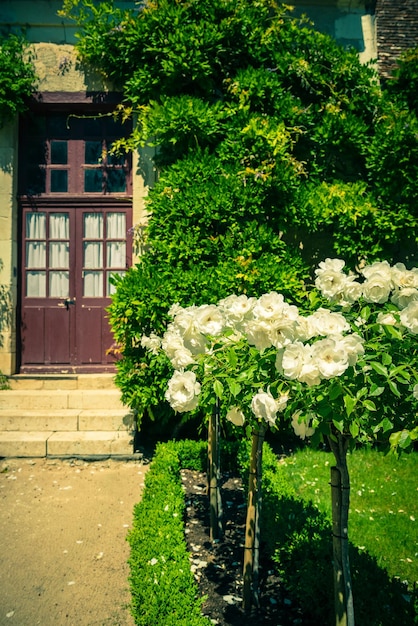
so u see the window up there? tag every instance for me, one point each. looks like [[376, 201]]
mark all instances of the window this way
[[71, 154]]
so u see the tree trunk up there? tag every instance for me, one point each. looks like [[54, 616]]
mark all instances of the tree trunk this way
[[340, 496], [215, 501], [252, 528]]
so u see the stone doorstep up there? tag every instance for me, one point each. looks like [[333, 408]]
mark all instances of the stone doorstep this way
[[66, 444], [94, 382], [66, 420], [58, 399]]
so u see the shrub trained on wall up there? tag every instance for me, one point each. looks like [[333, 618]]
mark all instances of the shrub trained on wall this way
[[273, 150], [17, 76]]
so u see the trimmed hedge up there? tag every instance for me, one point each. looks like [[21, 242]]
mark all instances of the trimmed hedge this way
[[162, 585]]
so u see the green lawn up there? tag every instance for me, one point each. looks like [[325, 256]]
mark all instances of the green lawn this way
[[384, 502]]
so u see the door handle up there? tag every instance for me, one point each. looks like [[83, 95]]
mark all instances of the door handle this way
[[67, 303]]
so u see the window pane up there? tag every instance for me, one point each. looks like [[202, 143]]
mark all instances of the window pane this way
[[93, 181], [59, 254], [110, 289], [36, 254], [116, 181], [59, 154], [116, 254], [93, 152], [93, 254], [93, 226], [116, 225], [93, 284], [59, 226], [36, 284], [36, 225], [114, 159], [59, 181], [59, 284]]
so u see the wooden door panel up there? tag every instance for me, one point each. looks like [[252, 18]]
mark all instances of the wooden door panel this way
[[33, 335], [58, 335]]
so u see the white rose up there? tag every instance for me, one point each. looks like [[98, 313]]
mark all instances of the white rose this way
[[291, 359], [386, 318], [352, 345], [377, 287], [171, 342], [329, 277], [182, 358], [209, 320], [264, 406], [151, 343], [352, 291], [402, 297], [329, 357], [324, 322], [237, 308], [236, 416], [182, 391], [409, 317], [404, 278], [330, 283], [269, 306], [380, 267], [301, 428], [258, 334]]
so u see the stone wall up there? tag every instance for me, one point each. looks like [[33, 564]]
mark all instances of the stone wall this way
[[397, 30]]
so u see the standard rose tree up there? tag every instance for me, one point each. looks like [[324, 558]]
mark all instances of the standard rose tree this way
[[345, 376]]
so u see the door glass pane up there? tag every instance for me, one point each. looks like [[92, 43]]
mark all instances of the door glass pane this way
[[116, 254], [93, 284], [59, 152], [59, 226], [93, 254], [59, 254], [36, 284], [116, 225], [59, 181], [36, 254], [93, 181], [36, 225], [93, 226], [59, 284]]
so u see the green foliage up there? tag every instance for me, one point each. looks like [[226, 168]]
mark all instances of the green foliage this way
[[276, 146], [404, 83], [17, 76], [163, 589]]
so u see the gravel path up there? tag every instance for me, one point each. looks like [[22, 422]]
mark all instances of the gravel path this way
[[63, 548]]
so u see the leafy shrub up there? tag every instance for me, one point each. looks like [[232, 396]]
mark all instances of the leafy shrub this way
[[17, 76]]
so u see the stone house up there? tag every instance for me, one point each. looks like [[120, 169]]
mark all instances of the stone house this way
[[64, 228]]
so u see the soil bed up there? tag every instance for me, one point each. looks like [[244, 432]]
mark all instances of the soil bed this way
[[217, 566]]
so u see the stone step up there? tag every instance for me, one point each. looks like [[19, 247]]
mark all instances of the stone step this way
[[66, 420], [53, 399], [93, 382], [85, 444]]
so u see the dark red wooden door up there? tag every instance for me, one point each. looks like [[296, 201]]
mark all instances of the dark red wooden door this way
[[69, 256]]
